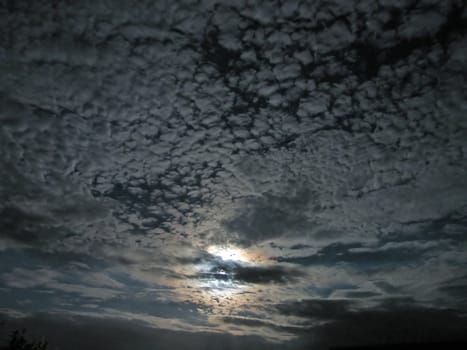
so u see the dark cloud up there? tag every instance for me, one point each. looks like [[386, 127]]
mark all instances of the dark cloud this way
[[275, 274], [393, 321], [395, 326], [258, 323], [374, 257], [77, 332], [24, 227], [328, 136], [270, 217], [387, 287], [361, 294], [317, 309], [451, 226], [36, 228], [369, 260], [457, 291], [237, 272], [246, 321]]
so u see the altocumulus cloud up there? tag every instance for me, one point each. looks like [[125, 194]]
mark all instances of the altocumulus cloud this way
[[324, 140]]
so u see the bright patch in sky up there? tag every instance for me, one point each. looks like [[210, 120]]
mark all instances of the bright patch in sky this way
[[272, 169], [229, 253]]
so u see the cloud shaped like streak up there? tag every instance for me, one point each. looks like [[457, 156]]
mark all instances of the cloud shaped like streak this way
[[326, 139]]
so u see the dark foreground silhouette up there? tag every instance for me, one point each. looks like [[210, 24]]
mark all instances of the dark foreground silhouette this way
[[414, 346], [18, 341]]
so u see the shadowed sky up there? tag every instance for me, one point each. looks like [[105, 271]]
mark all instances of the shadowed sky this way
[[237, 174]]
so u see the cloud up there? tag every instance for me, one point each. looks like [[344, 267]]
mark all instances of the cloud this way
[[88, 285], [396, 324], [317, 309], [261, 323], [100, 279], [24, 227], [368, 258], [40, 222], [85, 291], [333, 323], [373, 256], [250, 322], [326, 136], [246, 273], [276, 274], [455, 291], [24, 278], [270, 217], [361, 294], [122, 334]]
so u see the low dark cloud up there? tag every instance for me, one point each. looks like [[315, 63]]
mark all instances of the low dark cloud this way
[[393, 321], [261, 323], [246, 321], [324, 139], [237, 272], [409, 325], [458, 291], [77, 333], [371, 258], [317, 309], [24, 227], [361, 294], [275, 274]]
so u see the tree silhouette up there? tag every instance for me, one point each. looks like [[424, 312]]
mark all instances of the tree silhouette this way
[[18, 341]]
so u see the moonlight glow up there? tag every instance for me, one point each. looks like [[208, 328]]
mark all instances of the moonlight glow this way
[[254, 175], [227, 253]]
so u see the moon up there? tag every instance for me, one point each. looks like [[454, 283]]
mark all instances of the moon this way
[[229, 253]]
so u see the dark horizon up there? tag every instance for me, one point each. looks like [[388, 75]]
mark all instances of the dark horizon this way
[[285, 174], [447, 345]]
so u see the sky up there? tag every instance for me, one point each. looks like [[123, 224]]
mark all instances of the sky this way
[[233, 174]]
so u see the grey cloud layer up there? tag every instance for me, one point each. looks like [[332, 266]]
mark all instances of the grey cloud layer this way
[[331, 135]]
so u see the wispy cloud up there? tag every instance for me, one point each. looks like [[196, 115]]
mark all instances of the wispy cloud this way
[[325, 140]]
